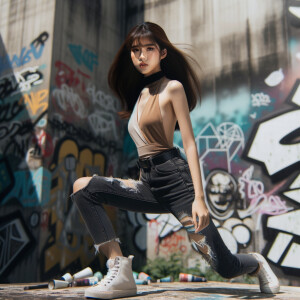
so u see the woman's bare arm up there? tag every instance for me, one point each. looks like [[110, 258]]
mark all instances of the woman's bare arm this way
[[179, 102]]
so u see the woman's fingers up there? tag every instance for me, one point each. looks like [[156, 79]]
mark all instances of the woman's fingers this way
[[195, 221]]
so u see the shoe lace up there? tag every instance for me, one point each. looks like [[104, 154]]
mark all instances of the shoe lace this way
[[111, 273]]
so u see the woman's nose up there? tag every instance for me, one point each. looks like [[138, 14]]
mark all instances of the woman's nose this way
[[143, 56]]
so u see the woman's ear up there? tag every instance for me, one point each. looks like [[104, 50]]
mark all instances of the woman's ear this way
[[164, 53]]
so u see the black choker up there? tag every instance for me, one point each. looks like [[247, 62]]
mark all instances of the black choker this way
[[146, 81], [152, 78]]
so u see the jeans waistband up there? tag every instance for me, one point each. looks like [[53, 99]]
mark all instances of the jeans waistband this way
[[158, 158]]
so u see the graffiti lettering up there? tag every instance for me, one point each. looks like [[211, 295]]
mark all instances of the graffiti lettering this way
[[103, 100], [66, 75], [260, 202], [12, 130], [66, 98], [88, 58], [29, 186], [84, 135], [35, 50], [267, 144], [102, 122], [36, 101], [20, 81], [17, 135], [260, 99], [173, 243], [40, 40], [9, 111]]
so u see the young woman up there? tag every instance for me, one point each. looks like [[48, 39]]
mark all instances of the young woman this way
[[157, 88]]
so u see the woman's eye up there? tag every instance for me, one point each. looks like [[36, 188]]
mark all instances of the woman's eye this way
[[135, 50], [150, 48]]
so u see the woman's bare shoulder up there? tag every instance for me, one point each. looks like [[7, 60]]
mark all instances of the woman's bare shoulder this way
[[172, 89], [174, 86]]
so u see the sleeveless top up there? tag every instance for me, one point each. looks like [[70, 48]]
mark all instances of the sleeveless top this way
[[147, 130]]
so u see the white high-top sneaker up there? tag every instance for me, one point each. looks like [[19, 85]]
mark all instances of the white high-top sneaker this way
[[268, 281], [118, 282]]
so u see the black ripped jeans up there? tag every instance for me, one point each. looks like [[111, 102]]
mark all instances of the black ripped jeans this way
[[164, 187]]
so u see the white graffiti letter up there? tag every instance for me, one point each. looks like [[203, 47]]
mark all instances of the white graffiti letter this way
[[266, 145]]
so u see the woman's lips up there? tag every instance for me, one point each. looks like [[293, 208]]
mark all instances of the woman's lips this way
[[143, 65]]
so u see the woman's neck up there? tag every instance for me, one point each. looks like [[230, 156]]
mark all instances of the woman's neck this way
[[152, 78]]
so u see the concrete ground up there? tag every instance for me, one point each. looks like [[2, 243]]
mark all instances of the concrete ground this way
[[174, 290]]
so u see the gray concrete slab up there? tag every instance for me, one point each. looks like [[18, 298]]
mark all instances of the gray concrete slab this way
[[174, 290]]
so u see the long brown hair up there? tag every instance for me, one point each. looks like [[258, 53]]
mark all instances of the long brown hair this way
[[125, 80]]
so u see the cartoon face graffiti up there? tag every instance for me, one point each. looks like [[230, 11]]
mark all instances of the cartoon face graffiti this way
[[220, 191]]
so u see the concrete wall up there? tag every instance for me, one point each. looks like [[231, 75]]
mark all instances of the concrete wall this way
[[247, 127], [58, 122], [25, 67]]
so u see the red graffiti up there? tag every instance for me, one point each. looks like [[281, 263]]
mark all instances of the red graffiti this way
[[46, 144], [66, 75], [173, 243]]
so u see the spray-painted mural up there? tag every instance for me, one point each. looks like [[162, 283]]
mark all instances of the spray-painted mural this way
[[56, 124], [247, 134], [25, 182]]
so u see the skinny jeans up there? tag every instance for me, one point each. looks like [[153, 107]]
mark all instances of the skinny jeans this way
[[165, 187]]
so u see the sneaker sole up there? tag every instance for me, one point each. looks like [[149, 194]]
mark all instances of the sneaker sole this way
[[110, 295], [267, 289], [274, 290]]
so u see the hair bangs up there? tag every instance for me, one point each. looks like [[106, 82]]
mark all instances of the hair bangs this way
[[140, 33]]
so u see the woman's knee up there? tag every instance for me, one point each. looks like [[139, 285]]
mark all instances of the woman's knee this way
[[80, 183]]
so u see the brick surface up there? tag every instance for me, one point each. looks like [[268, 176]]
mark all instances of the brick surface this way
[[174, 290]]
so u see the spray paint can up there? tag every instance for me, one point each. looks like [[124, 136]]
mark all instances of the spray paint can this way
[[67, 277], [135, 275], [144, 276], [58, 284], [99, 275], [85, 281], [191, 278], [165, 279], [140, 281], [87, 272]]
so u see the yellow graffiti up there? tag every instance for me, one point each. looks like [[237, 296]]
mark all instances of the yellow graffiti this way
[[71, 159], [36, 102]]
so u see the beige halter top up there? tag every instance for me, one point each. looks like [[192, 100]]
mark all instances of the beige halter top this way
[[146, 128]]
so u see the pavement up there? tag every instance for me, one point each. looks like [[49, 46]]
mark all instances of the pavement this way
[[165, 290]]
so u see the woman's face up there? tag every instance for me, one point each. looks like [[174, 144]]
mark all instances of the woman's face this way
[[146, 56]]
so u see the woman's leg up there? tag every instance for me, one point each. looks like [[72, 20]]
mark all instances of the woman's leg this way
[[91, 192], [111, 249], [89, 195], [210, 245], [208, 242]]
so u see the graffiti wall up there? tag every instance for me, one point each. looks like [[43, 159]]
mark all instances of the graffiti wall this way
[[246, 128], [58, 122], [25, 66]]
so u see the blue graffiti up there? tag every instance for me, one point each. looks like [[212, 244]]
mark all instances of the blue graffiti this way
[[35, 50], [88, 58], [32, 187]]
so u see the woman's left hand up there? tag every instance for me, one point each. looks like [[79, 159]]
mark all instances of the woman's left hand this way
[[200, 214]]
